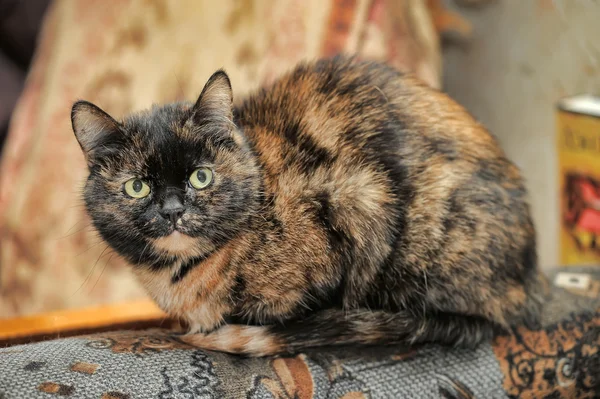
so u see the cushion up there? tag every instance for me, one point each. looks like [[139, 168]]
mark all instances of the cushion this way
[[559, 359]]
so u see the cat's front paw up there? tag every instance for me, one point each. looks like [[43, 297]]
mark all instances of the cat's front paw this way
[[255, 341], [204, 319], [203, 328], [203, 322], [179, 327]]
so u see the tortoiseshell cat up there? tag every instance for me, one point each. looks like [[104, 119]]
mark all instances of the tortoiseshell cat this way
[[346, 204]]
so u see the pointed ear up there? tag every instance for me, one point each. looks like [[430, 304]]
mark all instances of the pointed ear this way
[[94, 129], [215, 103]]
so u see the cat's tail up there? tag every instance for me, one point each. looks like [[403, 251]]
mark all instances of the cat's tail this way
[[337, 327]]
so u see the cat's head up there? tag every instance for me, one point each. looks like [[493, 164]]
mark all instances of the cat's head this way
[[176, 181]]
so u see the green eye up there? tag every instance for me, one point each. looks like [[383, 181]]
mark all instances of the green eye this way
[[137, 188], [201, 178]]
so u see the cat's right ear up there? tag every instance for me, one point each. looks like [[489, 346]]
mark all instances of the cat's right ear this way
[[93, 128]]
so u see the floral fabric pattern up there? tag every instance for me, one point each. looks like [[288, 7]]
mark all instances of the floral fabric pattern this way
[[557, 360]]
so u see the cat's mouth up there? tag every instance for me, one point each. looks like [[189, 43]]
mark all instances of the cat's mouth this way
[[176, 233], [177, 228], [176, 242]]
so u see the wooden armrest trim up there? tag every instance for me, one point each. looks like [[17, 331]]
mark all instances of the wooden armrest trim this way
[[133, 315]]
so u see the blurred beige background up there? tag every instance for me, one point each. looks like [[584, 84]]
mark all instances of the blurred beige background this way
[[523, 57]]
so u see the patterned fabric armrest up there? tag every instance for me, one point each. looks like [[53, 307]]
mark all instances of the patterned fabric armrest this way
[[560, 359]]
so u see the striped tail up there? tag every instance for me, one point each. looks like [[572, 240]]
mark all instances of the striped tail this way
[[335, 327]]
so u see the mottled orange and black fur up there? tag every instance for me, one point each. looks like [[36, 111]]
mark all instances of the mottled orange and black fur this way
[[351, 204]]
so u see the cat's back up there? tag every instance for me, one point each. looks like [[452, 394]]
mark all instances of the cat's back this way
[[346, 109], [379, 171]]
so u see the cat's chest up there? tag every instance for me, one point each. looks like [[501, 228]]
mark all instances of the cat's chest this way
[[173, 298], [200, 298]]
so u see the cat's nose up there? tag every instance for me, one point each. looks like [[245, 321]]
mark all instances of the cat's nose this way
[[172, 209]]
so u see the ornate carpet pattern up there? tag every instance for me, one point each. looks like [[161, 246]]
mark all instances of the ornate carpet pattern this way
[[558, 360]]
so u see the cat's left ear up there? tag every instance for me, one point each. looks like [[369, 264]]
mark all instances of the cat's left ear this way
[[215, 103]]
